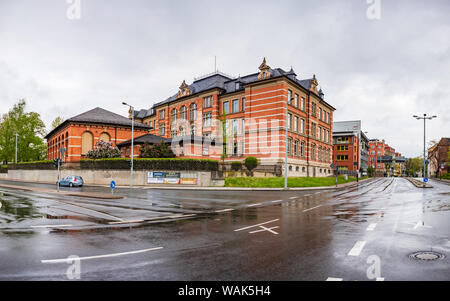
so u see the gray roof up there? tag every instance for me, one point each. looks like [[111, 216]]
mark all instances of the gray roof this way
[[149, 138], [227, 84], [100, 116]]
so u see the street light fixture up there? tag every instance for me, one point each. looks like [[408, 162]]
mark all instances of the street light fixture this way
[[424, 132], [132, 142]]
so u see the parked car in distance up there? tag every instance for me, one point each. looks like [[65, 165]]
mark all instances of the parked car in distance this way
[[71, 181]]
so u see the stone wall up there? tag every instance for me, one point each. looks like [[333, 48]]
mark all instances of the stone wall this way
[[101, 177]]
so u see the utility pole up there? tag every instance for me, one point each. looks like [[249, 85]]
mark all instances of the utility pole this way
[[132, 142], [424, 138]]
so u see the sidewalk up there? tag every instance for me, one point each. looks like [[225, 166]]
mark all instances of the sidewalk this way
[[94, 195]]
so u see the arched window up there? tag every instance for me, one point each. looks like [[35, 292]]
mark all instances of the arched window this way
[[193, 112], [105, 137], [183, 113], [173, 115], [86, 142]]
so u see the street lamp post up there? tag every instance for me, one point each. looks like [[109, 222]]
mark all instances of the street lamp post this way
[[286, 152], [424, 141], [132, 142], [16, 146]]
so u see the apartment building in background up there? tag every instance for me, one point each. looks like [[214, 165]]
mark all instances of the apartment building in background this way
[[437, 156], [350, 147], [248, 116]]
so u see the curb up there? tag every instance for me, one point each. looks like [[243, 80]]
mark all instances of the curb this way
[[419, 184]]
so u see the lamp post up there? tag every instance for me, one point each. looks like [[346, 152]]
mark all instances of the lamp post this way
[[16, 146], [424, 141], [286, 152], [132, 142]]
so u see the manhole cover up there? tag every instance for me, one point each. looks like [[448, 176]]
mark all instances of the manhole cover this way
[[426, 255]]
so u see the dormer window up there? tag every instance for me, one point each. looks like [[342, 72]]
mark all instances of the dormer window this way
[[238, 86], [264, 70]]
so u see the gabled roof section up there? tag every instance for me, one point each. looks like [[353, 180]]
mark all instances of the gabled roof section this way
[[99, 116], [149, 138]]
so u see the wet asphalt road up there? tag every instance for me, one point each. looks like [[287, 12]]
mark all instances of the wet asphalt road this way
[[232, 235]]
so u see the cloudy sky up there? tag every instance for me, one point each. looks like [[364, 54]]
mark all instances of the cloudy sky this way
[[381, 71]]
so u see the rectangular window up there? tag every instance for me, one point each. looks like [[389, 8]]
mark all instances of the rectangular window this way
[[226, 109], [296, 124], [302, 104], [302, 149], [289, 121], [313, 109], [289, 146], [235, 126], [296, 148], [150, 124], [242, 148], [207, 102], [162, 114], [313, 129], [162, 129], [320, 113], [243, 104], [296, 101], [207, 117], [342, 157], [290, 97], [205, 150], [302, 126], [242, 127], [235, 105], [235, 148]]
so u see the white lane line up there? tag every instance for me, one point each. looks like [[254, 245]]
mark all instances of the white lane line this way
[[126, 222], [0, 204], [224, 210], [65, 260], [312, 208], [50, 226], [371, 227], [277, 201], [266, 229], [380, 279], [181, 215], [357, 248], [334, 279], [245, 228], [253, 205]]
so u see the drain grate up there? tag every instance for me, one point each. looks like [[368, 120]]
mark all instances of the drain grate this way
[[426, 255]]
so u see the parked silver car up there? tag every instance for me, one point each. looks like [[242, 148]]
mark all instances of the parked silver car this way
[[71, 181]]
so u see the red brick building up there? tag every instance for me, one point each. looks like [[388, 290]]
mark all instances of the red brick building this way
[[376, 151], [80, 133], [255, 120]]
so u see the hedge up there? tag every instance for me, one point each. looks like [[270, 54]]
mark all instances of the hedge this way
[[152, 164], [3, 168], [47, 164]]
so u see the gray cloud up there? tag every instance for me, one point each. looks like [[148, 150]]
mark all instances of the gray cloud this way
[[381, 72]]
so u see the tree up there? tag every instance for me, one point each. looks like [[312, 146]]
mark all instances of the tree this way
[[55, 123], [414, 165], [30, 131], [104, 150], [161, 150], [370, 171]]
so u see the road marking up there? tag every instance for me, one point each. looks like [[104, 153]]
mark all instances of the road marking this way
[[224, 210], [266, 229], [308, 194], [253, 205], [65, 260], [0, 204], [51, 226], [357, 248], [245, 228], [127, 222], [312, 208], [419, 224], [371, 227], [294, 197], [277, 201], [181, 215], [334, 279], [380, 279]]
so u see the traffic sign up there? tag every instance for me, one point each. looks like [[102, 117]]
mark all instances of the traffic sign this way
[[62, 150], [112, 184], [425, 180], [331, 165]]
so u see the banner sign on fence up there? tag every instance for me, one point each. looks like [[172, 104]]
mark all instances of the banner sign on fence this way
[[172, 177]]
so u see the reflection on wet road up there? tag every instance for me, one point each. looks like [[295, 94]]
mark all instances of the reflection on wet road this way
[[364, 232]]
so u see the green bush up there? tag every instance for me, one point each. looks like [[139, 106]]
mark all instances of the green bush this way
[[43, 165], [3, 168], [446, 176], [152, 164], [236, 165], [160, 150], [251, 163]]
